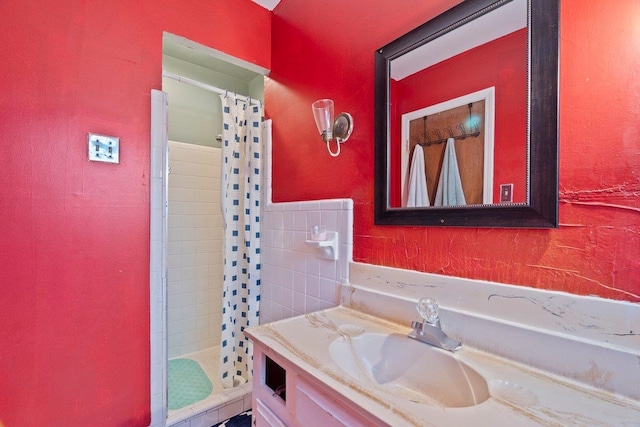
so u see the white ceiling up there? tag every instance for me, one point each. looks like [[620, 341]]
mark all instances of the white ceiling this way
[[267, 4]]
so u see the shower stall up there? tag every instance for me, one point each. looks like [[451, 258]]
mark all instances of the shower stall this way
[[194, 261], [193, 80]]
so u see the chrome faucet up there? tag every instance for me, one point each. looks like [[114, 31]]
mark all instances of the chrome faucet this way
[[429, 330]]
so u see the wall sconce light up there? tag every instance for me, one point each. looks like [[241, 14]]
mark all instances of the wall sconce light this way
[[340, 128]]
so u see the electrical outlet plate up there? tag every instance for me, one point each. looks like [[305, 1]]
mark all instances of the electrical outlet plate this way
[[506, 193], [104, 148]]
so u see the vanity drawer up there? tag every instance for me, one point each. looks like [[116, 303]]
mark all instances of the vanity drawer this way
[[312, 407], [263, 416]]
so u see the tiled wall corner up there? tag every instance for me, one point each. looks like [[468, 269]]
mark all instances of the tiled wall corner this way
[[194, 257], [294, 279]]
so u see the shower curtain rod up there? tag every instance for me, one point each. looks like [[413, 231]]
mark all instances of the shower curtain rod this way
[[210, 88]]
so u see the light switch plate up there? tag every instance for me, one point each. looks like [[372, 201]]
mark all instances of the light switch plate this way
[[506, 193], [104, 148]]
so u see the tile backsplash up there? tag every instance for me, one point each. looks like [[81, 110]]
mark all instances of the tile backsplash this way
[[294, 279]]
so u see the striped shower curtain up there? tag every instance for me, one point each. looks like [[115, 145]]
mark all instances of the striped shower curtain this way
[[241, 168]]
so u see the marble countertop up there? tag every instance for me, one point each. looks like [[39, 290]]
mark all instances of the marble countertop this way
[[520, 395]]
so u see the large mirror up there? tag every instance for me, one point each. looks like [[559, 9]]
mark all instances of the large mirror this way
[[466, 118]]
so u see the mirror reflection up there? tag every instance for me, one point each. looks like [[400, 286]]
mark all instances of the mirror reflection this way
[[458, 115]]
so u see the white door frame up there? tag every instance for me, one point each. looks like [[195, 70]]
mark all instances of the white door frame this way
[[158, 257]]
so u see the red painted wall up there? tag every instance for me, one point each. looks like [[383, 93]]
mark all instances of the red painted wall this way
[[74, 234], [595, 251]]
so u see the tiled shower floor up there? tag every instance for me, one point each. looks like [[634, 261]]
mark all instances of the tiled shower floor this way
[[219, 405]]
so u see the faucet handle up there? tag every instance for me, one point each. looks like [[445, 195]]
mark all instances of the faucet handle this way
[[428, 310]]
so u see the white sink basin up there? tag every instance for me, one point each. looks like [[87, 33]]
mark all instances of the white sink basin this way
[[409, 369]]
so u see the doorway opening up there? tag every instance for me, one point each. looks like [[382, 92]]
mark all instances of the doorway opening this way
[[187, 231]]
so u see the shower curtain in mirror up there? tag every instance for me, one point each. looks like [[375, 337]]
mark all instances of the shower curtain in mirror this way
[[240, 192]]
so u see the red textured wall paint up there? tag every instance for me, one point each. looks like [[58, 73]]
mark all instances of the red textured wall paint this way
[[595, 251], [501, 64], [74, 234]]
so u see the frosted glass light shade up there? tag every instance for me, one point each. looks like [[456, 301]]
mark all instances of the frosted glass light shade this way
[[340, 128], [323, 115]]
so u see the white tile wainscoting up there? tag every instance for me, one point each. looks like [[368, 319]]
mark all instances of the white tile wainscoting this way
[[294, 279]]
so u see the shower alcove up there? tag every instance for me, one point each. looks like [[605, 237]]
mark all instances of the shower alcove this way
[[186, 336]]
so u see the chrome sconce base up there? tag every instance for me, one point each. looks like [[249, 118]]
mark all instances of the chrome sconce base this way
[[340, 128]]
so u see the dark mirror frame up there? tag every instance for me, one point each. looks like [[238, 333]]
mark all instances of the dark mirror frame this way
[[541, 209]]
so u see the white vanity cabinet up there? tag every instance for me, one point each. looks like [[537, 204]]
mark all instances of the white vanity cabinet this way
[[284, 395]]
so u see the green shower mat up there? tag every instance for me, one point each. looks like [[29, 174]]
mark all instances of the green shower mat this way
[[187, 383]]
